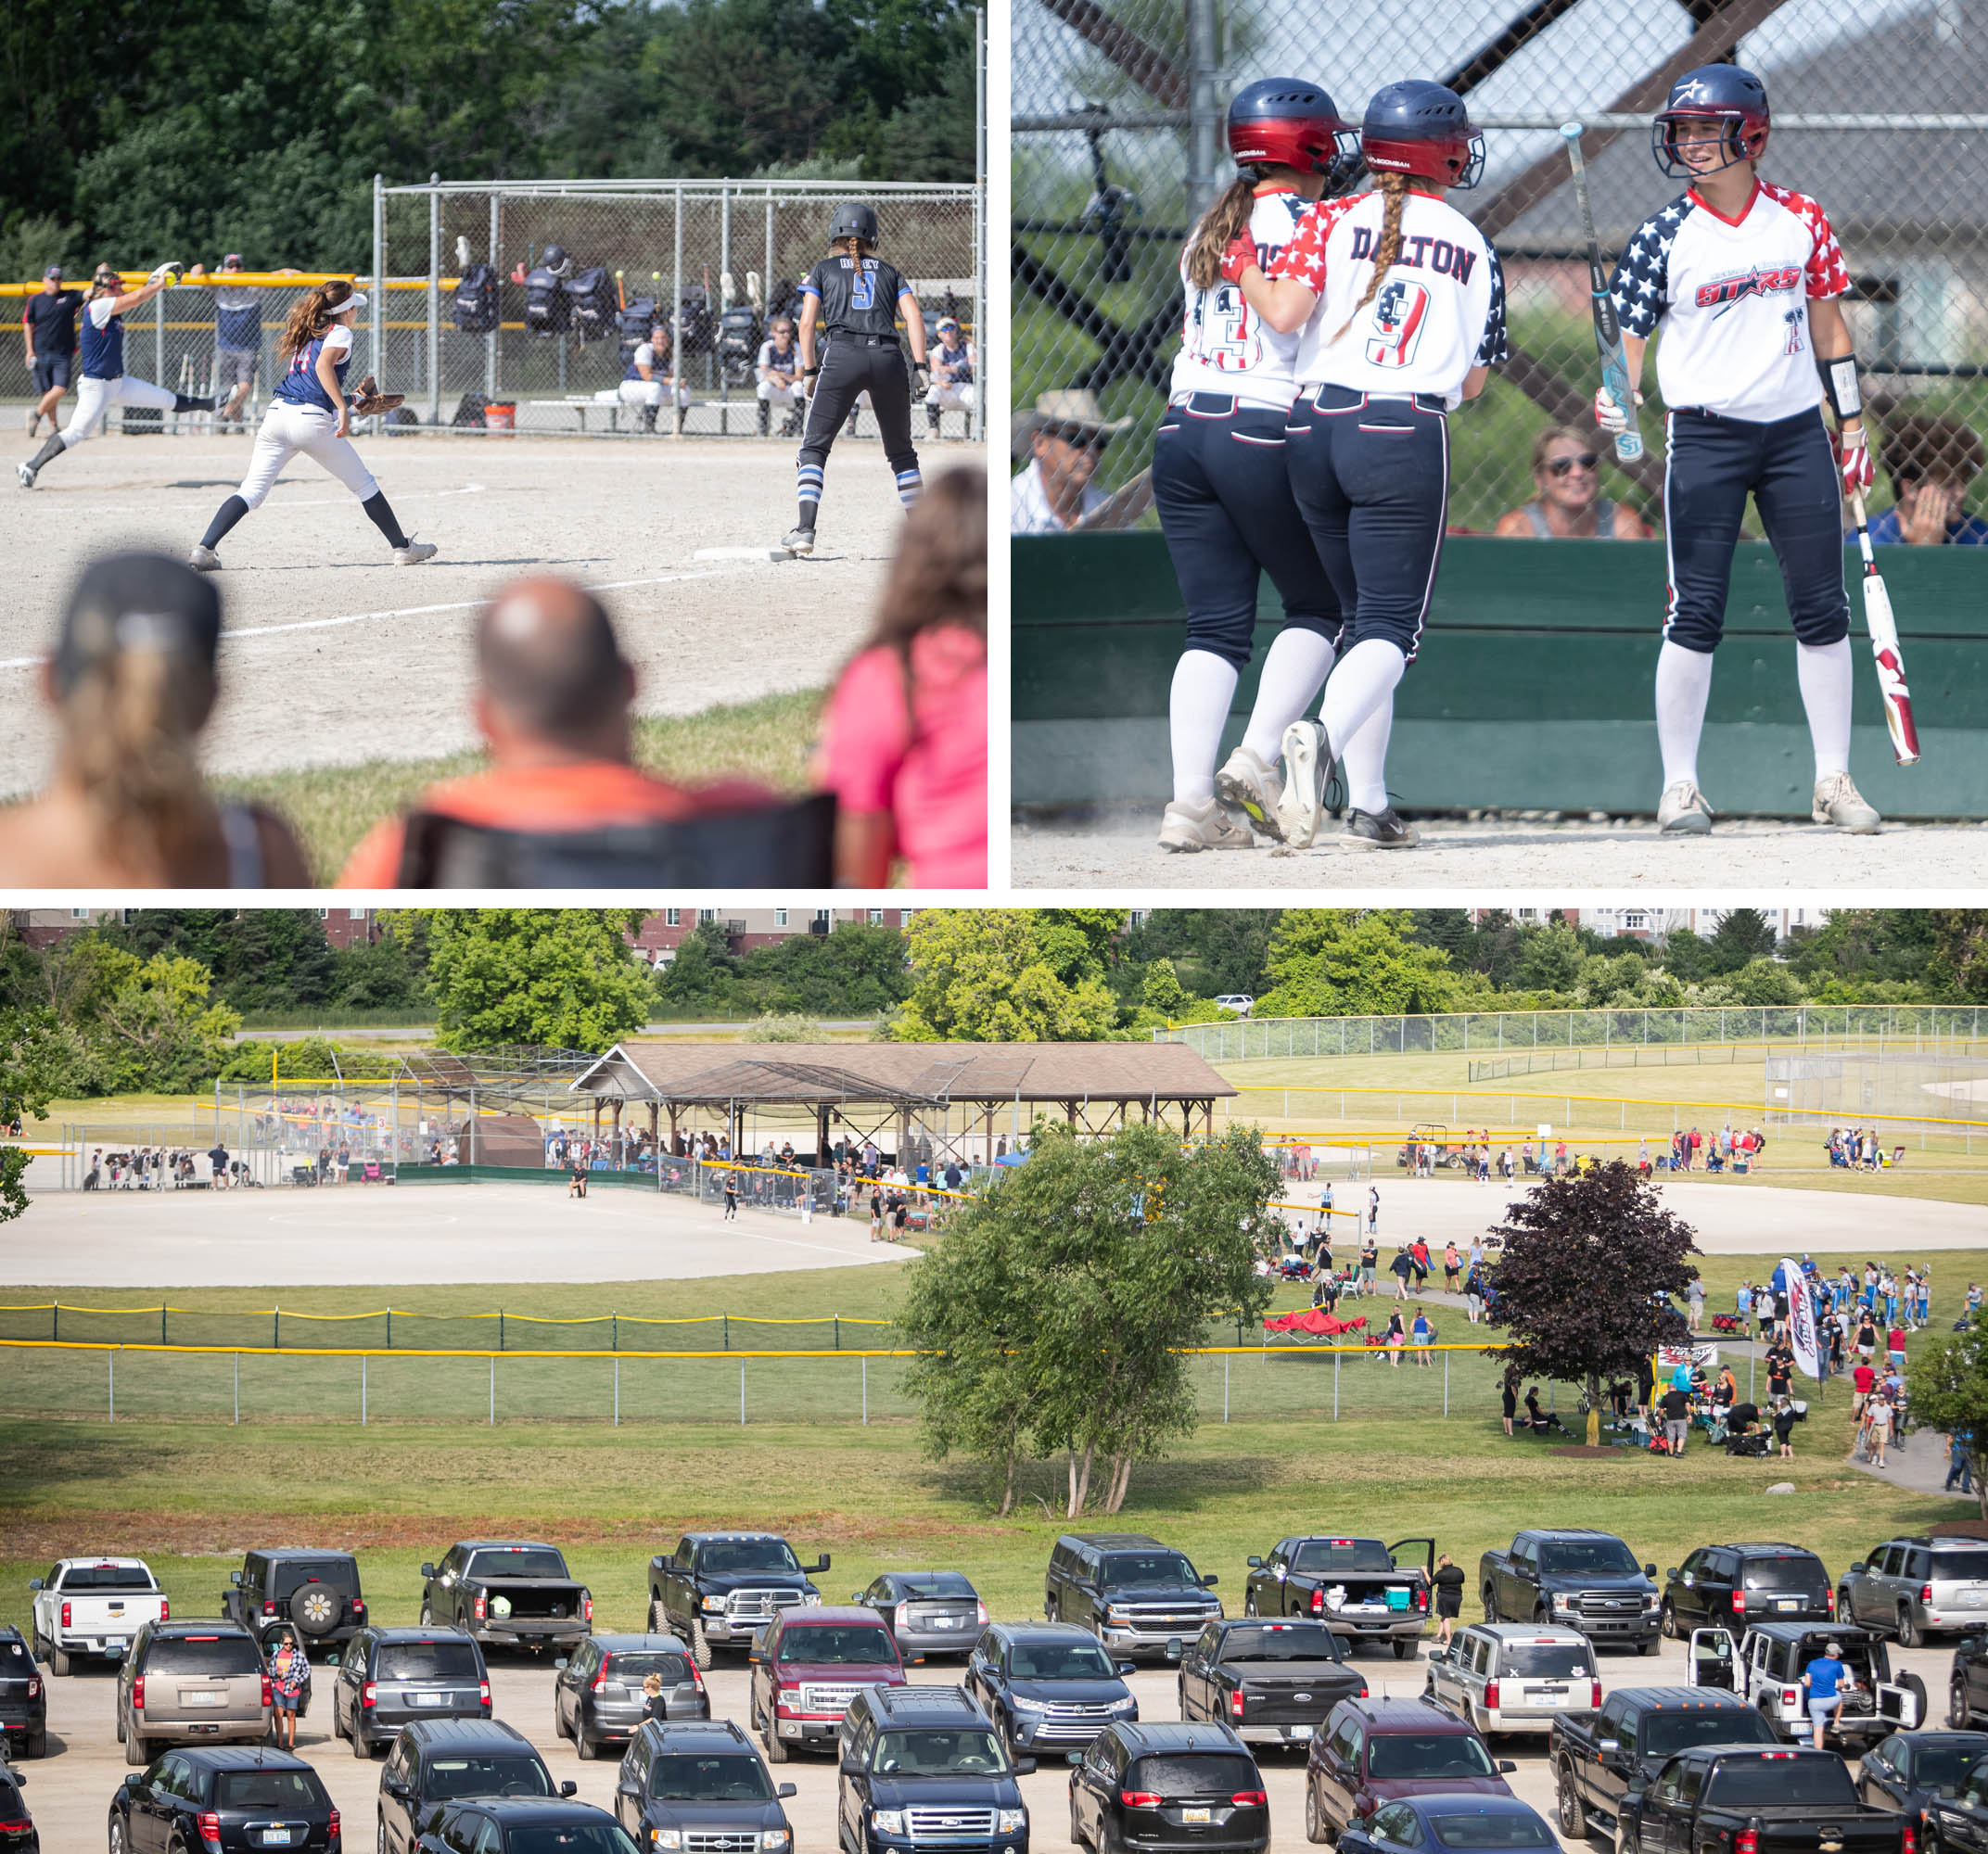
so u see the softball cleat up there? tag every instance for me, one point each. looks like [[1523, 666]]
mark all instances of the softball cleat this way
[[1245, 784], [1683, 812], [1187, 829], [798, 542], [26, 472], [1385, 830], [1308, 766], [415, 552], [1840, 803], [204, 559]]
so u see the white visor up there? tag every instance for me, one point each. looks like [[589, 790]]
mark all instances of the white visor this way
[[356, 300]]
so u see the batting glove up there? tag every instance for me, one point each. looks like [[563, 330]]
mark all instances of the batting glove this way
[[1240, 257], [1608, 414], [1853, 459]]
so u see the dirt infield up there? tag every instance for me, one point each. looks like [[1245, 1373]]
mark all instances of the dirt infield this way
[[1117, 848], [335, 656]]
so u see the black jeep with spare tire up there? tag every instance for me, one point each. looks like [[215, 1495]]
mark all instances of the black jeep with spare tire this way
[[297, 1590]]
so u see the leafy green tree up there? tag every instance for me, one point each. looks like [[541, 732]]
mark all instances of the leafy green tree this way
[[378, 976], [1551, 958], [857, 970], [1743, 935], [1947, 1379], [156, 1023], [1161, 989], [1336, 962], [1221, 950], [1957, 957], [1687, 955], [553, 977], [1764, 982], [702, 974], [985, 975]]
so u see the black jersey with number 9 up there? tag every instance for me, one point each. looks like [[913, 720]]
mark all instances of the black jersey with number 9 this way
[[858, 296]]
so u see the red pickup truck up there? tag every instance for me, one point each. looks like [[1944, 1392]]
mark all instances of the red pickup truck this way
[[808, 1665]]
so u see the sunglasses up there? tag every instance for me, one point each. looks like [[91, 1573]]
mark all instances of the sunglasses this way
[[1559, 467]]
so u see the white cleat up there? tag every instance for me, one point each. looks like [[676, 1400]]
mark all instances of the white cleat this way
[[26, 474], [798, 542], [1840, 803], [413, 554], [1208, 826], [1683, 812], [1307, 765], [1245, 784], [204, 559]]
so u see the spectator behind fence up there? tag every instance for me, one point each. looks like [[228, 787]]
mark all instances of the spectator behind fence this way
[[1065, 437], [132, 681], [237, 334], [1930, 463], [1570, 505], [904, 745]]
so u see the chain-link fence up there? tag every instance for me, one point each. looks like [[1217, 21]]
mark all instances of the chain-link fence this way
[[1118, 111], [498, 321]]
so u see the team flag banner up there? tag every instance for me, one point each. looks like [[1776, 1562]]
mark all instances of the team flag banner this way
[[1801, 1319]]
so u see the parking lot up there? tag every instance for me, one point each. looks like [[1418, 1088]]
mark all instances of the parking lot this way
[[70, 1790]]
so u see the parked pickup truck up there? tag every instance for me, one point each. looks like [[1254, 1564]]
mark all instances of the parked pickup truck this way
[[94, 1607], [1588, 1580], [1638, 1730], [1270, 1683], [726, 1587], [1360, 1588], [506, 1591], [1726, 1799]]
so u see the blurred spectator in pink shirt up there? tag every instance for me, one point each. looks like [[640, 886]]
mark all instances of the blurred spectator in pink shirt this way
[[904, 742]]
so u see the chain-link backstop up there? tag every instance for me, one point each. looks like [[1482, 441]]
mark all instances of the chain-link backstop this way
[[1118, 112]]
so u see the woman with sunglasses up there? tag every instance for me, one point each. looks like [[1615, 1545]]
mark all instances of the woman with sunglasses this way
[[1569, 505]]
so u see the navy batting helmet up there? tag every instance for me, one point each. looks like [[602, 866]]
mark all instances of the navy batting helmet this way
[[1287, 122], [853, 219], [1416, 127], [1713, 93]]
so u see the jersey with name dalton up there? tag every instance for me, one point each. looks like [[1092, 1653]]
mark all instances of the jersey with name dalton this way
[[1440, 309], [1225, 346], [1730, 298]]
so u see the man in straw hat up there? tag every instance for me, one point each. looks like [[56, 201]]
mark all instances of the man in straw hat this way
[[1064, 437]]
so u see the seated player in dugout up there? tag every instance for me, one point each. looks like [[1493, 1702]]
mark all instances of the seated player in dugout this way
[[780, 377], [1930, 463], [648, 378], [952, 373], [1569, 504]]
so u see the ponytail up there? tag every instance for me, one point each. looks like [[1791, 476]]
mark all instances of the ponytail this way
[[311, 316], [1220, 226], [1394, 188]]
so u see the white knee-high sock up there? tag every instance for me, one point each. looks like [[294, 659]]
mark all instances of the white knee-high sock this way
[[1684, 684], [1364, 679], [1204, 686], [1825, 673], [1366, 760], [1293, 674]]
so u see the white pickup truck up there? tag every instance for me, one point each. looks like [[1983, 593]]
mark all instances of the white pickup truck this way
[[94, 1607]]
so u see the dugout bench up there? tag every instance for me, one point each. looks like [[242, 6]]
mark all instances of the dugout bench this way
[[737, 417]]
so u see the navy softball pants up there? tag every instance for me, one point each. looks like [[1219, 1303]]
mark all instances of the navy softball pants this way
[[1712, 464], [1372, 479], [1225, 507]]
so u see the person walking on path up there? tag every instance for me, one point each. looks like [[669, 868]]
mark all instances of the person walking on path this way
[[1449, 1582], [1880, 1413], [289, 1680], [1373, 1208], [732, 1197], [1959, 1465], [1823, 1679]]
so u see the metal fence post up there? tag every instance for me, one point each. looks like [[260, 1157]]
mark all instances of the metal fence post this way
[[434, 299], [492, 1357], [112, 1359], [379, 271], [742, 1393], [1226, 1362], [238, 1389], [362, 1389], [1335, 1384], [676, 428], [1445, 1384], [490, 340]]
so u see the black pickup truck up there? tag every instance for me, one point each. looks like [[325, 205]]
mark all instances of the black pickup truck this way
[[1585, 1579], [726, 1587], [1360, 1588], [506, 1591], [1637, 1730], [1727, 1800], [1270, 1683]]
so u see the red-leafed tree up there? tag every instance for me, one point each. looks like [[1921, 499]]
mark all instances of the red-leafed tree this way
[[1584, 1282]]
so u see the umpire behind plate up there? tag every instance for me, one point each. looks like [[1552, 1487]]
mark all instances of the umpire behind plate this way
[[857, 298]]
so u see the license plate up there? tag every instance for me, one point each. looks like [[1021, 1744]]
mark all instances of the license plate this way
[[430, 1698], [1196, 1815], [203, 1699], [1298, 1731], [1788, 1603], [945, 1623], [1976, 1595], [276, 1837]]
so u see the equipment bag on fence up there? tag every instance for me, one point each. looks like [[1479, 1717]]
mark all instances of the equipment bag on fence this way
[[635, 323], [591, 295], [475, 308], [738, 344], [548, 311]]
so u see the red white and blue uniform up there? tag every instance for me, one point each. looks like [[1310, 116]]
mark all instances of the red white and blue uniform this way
[[105, 384], [301, 417], [1219, 478], [1729, 299]]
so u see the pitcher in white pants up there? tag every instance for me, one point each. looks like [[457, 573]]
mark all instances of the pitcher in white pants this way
[[310, 414]]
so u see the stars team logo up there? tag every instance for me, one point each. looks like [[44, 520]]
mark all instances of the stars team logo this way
[[1722, 293]]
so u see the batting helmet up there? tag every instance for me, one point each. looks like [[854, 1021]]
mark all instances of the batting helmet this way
[[1416, 127], [853, 219], [1713, 93], [106, 277], [1286, 123], [554, 259]]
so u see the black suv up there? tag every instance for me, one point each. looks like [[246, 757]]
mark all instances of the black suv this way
[[1164, 1787], [922, 1764], [515, 1825], [703, 1783], [445, 1760], [1132, 1593], [389, 1678], [315, 1592], [234, 1798], [23, 1698], [1727, 1586], [726, 1587], [600, 1694], [1048, 1685], [17, 1826]]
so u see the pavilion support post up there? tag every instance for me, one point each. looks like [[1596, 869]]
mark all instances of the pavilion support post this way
[[676, 1136], [822, 1119]]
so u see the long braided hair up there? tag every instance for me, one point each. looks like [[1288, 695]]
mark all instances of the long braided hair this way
[[1394, 189]]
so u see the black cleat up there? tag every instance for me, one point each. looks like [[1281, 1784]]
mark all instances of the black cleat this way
[[1386, 829]]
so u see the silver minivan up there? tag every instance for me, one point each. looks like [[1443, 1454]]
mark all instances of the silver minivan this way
[[1916, 1587], [1514, 1676], [191, 1683]]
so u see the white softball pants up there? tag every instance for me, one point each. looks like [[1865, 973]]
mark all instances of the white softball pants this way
[[951, 398], [638, 392], [95, 399], [286, 430], [775, 394]]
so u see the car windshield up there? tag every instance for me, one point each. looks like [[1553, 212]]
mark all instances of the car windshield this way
[[1965, 1566], [935, 1583], [839, 1644], [1144, 1570], [1190, 1773], [724, 1555], [1779, 1777], [926, 1753], [1560, 1660], [1286, 1642], [732, 1777], [427, 1660], [1479, 1828], [1059, 1660], [1665, 1732], [1795, 1570], [517, 1561], [1942, 1767], [491, 1773], [13, 1657], [636, 1668], [1583, 1556], [270, 1789], [286, 1579], [215, 1654], [1342, 1554], [577, 1837], [107, 1576], [1428, 1754]]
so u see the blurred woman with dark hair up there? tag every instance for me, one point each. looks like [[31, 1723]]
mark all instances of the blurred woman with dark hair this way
[[1932, 463], [133, 682], [904, 736]]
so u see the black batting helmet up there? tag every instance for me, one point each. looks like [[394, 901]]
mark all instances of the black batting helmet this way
[[853, 219]]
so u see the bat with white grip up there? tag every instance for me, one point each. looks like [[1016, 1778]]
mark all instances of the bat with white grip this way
[[1883, 631], [1607, 330]]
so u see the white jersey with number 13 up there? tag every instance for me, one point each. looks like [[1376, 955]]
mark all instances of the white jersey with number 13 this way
[[1225, 348]]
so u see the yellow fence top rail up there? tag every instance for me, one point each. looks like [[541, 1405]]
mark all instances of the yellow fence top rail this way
[[404, 1314], [1294, 1348]]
